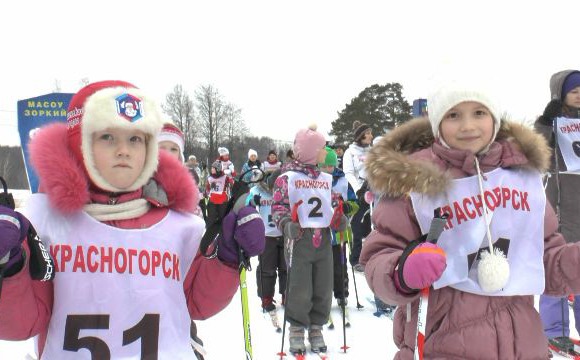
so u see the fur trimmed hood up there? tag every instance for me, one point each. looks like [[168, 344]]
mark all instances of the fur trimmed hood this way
[[64, 181], [393, 171]]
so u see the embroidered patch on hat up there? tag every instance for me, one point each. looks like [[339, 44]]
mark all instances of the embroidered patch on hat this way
[[129, 107]]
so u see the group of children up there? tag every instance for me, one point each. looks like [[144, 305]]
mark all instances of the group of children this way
[[117, 216]]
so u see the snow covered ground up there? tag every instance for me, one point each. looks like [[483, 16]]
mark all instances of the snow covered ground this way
[[224, 339]]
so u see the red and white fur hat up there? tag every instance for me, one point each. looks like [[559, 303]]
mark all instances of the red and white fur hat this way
[[109, 104]]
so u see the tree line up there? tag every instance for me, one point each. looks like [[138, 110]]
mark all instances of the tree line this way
[[209, 121]]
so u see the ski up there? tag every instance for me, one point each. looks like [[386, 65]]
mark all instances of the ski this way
[[322, 355], [571, 354]]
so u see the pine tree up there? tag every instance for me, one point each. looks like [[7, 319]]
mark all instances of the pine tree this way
[[382, 107]]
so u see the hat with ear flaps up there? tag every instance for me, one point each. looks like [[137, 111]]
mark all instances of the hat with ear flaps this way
[[112, 104], [307, 143]]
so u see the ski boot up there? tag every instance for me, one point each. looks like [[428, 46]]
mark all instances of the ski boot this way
[[342, 305], [296, 340], [316, 339], [268, 304]]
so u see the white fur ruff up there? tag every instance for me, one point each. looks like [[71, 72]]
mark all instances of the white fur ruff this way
[[493, 271]]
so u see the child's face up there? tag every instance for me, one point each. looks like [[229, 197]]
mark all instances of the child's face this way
[[272, 157], [172, 147], [119, 155], [253, 157], [572, 98], [339, 152], [467, 126]]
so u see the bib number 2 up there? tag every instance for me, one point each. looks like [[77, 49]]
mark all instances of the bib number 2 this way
[[147, 330], [315, 212]]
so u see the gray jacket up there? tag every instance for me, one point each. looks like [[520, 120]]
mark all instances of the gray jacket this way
[[561, 188]]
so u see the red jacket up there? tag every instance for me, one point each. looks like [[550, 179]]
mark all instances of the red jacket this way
[[26, 305]]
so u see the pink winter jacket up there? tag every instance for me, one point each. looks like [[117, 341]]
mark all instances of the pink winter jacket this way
[[26, 305], [459, 325]]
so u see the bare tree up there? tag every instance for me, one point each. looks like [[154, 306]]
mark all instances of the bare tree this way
[[211, 110], [179, 106], [233, 124]]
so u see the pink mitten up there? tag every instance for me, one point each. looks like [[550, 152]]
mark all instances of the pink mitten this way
[[420, 266]]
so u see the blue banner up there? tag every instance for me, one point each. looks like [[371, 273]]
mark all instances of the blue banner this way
[[419, 107], [34, 113]]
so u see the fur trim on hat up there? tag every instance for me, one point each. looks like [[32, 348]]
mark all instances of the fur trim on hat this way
[[67, 186], [101, 112]]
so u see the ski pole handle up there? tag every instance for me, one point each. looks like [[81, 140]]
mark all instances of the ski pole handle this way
[[437, 226]]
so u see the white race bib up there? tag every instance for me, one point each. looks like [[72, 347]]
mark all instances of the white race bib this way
[[316, 195], [118, 293], [568, 132], [516, 201], [266, 211]]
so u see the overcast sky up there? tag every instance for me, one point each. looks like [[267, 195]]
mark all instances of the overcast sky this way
[[285, 64]]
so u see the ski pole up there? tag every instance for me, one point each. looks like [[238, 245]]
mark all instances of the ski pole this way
[[244, 266], [340, 212], [435, 230], [349, 240], [294, 217]]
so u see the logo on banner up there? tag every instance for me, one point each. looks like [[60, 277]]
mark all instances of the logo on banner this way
[[129, 107]]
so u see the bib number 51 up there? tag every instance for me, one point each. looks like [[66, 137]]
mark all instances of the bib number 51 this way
[[147, 330]]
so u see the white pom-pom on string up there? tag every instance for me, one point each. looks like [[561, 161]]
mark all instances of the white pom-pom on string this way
[[493, 271]]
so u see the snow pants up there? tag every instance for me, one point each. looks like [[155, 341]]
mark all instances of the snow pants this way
[[271, 265], [554, 312], [340, 270], [361, 227], [310, 279]]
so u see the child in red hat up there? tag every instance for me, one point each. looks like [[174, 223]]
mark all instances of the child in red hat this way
[[117, 217]]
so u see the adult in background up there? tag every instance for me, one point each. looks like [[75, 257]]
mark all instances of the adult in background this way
[[272, 164], [354, 170], [562, 190], [252, 163], [193, 167]]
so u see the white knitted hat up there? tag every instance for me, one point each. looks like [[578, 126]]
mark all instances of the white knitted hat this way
[[453, 93]]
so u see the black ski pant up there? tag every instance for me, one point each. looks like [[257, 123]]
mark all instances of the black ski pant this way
[[271, 265], [361, 227], [340, 270], [215, 213]]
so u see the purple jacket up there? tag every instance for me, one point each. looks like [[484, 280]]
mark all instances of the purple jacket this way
[[459, 325]]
